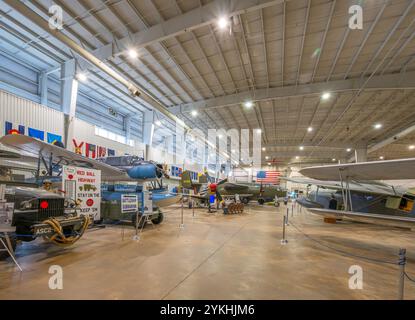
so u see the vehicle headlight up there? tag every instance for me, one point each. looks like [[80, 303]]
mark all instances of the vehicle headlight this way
[[26, 205]]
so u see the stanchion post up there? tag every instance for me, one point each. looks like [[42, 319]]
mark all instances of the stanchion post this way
[[402, 263], [193, 208], [286, 219], [292, 210], [283, 241], [182, 220]]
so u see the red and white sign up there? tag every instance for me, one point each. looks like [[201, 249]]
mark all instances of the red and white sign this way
[[84, 186]]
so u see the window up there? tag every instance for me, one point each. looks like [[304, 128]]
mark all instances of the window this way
[[113, 136]]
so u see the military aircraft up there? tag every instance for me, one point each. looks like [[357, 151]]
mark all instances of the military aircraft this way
[[379, 192], [225, 189], [49, 158]]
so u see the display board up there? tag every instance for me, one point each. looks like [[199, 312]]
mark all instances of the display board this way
[[84, 186], [129, 203], [147, 202]]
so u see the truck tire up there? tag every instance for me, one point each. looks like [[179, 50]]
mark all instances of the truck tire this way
[[159, 218], [5, 254]]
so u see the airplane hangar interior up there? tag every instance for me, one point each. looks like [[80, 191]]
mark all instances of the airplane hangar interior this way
[[202, 150]]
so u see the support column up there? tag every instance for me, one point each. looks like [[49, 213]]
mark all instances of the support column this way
[[361, 155], [43, 88], [127, 127], [148, 131], [69, 95]]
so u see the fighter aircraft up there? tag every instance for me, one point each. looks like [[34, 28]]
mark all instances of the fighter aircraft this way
[[225, 189], [375, 192]]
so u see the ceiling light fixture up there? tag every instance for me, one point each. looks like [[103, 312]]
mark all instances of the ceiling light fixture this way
[[158, 123], [264, 149], [133, 54], [248, 104], [377, 126], [412, 147], [194, 113], [349, 149], [326, 95], [223, 22], [333, 159], [82, 77], [301, 148], [381, 158], [310, 129]]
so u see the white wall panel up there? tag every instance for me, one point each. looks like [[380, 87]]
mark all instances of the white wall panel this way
[[24, 112]]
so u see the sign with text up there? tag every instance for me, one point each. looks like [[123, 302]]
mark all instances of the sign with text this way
[[129, 203], [84, 186]]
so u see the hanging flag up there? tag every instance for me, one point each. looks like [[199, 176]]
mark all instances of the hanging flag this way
[[271, 177], [52, 138], [37, 134], [90, 150], [78, 148], [10, 130]]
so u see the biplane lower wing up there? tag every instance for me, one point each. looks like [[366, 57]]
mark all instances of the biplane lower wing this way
[[389, 220]]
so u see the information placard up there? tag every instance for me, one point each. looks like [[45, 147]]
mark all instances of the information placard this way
[[129, 203], [84, 186]]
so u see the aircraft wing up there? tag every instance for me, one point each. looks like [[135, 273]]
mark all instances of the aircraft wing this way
[[389, 220], [31, 147], [231, 186], [364, 187], [377, 170]]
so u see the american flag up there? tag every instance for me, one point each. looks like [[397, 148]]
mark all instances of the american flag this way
[[271, 177]]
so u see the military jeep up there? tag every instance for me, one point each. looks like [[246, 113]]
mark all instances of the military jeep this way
[[33, 207]]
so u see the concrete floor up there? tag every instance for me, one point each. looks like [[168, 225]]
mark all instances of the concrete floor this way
[[216, 257]]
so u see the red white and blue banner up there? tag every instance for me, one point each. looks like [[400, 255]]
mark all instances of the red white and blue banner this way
[[271, 177]]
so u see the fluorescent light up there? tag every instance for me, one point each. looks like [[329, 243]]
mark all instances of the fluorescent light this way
[[381, 157], [326, 95], [377, 126], [266, 158], [412, 147], [264, 149], [133, 54], [248, 104], [310, 129], [194, 113], [82, 77], [223, 22], [301, 148], [333, 159], [348, 149]]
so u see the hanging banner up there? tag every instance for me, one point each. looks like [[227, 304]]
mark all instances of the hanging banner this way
[[84, 186]]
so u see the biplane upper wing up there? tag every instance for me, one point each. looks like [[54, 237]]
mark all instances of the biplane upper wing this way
[[31, 147], [377, 170], [364, 187]]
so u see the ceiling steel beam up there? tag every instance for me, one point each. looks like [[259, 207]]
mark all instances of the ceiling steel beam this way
[[385, 82]]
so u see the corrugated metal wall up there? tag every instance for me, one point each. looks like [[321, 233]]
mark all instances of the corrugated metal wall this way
[[20, 111]]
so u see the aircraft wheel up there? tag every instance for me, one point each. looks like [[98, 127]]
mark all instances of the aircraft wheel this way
[[261, 201], [5, 254], [159, 219]]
